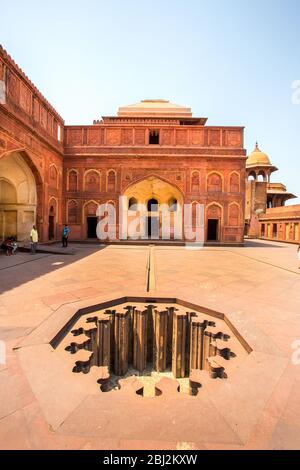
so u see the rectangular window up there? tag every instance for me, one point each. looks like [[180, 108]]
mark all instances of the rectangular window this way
[[262, 230], [154, 137], [274, 230]]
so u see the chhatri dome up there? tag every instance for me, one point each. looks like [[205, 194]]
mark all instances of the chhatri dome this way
[[258, 158]]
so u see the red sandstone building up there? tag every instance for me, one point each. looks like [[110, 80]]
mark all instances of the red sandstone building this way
[[266, 215], [51, 173], [154, 151]]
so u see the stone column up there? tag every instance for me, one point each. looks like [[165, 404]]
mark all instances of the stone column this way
[[160, 332], [207, 348], [196, 344], [189, 318], [179, 344], [140, 340], [150, 334], [94, 347], [121, 333], [130, 309], [103, 340], [171, 312]]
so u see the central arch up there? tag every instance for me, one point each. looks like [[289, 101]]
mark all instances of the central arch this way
[[18, 196], [158, 205]]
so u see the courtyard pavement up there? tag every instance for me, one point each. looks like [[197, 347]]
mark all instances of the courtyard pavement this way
[[258, 289]]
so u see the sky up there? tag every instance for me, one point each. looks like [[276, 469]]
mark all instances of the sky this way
[[233, 61]]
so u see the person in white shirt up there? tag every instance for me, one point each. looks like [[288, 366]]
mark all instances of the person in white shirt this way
[[34, 238]]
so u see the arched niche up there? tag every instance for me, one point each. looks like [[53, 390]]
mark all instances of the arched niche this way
[[18, 197]]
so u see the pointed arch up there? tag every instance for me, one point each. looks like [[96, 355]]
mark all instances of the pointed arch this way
[[72, 179], [214, 222], [252, 176], [195, 181], [152, 176], [21, 199], [234, 214], [214, 210], [89, 208], [234, 182], [111, 180], [53, 176], [72, 211], [92, 180], [53, 207], [8, 191], [214, 182]]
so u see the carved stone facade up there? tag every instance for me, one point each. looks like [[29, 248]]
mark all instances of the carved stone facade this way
[[266, 215], [75, 168]]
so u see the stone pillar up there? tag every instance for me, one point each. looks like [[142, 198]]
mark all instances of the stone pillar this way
[[160, 332], [140, 340], [171, 312], [94, 347], [121, 333], [179, 344], [196, 344], [189, 318], [130, 309], [150, 334], [207, 349], [103, 340]]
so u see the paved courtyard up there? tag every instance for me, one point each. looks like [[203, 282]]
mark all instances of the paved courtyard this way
[[257, 407]]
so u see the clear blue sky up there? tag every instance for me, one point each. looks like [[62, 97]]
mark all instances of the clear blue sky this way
[[233, 61]]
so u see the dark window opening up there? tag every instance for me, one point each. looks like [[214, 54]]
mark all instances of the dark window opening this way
[[274, 230], [51, 227], [132, 204], [173, 205], [153, 227], [262, 230], [91, 227], [152, 205], [212, 230], [154, 137]]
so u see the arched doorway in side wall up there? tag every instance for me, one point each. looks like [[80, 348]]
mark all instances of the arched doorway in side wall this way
[[153, 219], [90, 219], [51, 223], [213, 223], [52, 219], [212, 230], [91, 226], [18, 197]]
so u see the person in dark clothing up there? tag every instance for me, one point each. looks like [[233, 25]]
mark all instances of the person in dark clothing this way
[[10, 246]]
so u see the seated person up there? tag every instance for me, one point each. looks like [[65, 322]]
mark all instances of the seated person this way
[[10, 246], [14, 245], [7, 246]]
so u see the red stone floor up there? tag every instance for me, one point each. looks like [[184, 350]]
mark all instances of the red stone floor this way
[[43, 406]]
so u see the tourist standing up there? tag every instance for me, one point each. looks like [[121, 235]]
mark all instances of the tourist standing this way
[[65, 236], [34, 238]]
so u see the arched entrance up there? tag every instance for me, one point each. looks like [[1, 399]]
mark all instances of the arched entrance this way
[[153, 219], [90, 219], [18, 197], [214, 222], [154, 210], [52, 220]]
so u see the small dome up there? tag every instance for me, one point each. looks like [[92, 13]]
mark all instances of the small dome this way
[[257, 157]]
